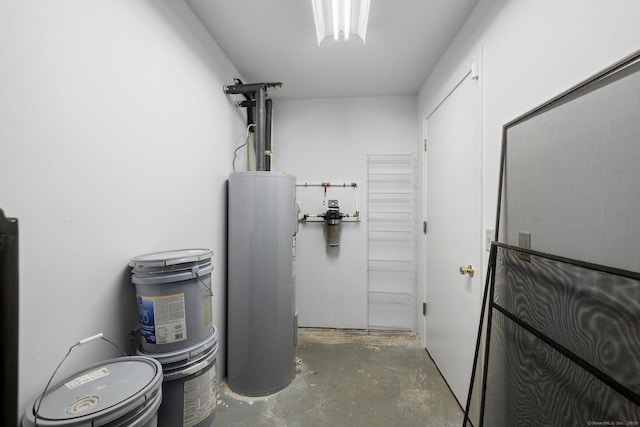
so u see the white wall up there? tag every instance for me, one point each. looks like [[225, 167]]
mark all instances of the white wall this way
[[327, 140], [116, 140], [531, 51]]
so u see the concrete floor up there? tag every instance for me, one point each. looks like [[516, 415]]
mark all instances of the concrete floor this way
[[348, 378]]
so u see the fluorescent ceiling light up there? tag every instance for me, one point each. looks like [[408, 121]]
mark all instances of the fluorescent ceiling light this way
[[341, 18], [335, 19]]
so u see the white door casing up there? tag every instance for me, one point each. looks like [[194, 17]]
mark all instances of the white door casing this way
[[453, 240]]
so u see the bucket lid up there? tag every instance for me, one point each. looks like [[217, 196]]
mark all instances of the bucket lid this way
[[156, 278], [167, 258], [177, 359], [104, 391]]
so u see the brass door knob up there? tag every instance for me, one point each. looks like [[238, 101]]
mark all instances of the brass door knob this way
[[467, 270]]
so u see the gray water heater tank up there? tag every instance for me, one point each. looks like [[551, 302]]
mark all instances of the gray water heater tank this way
[[261, 297]]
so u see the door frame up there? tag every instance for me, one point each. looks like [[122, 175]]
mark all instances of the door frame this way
[[472, 67]]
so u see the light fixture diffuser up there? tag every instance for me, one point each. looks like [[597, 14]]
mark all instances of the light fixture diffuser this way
[[340, 19], [347, 18], [335, 19]]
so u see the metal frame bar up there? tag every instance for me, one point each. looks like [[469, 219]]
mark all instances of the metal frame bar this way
[[489, 282], [489, 285], [9, 315]]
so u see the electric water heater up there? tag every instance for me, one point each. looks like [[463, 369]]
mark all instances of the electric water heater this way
[[261, 297]]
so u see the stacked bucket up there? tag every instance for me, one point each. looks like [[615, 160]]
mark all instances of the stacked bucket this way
[[173, 291], [119, 392], [172, 381]]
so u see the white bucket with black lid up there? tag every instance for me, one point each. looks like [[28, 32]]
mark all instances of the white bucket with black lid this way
[[119, 392], [190, 384], [174, 298]]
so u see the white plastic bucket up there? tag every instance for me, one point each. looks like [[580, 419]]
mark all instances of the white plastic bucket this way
[[190, 385], [174, 298], [117, 392]]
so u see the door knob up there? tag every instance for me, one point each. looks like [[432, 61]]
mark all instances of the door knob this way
[[467, 270]]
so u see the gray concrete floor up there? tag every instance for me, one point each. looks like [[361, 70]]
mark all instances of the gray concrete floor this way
[[349, 378]]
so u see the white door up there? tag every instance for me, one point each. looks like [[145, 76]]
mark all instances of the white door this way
[[454, 233]]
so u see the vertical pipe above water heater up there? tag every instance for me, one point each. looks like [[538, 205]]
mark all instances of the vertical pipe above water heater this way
[[260, 133], [263, 108], [267, 145]]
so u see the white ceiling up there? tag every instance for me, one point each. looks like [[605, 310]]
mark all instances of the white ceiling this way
[[275, 41]]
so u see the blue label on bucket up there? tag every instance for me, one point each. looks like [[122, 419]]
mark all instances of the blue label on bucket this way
[[162, 318], [147, 321]]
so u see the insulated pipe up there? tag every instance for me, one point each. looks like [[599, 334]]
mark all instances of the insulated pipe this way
[[261, 116], [250, 105], [267, 145], [248, 88], [248, 96], [243, 88], [261, 107]]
